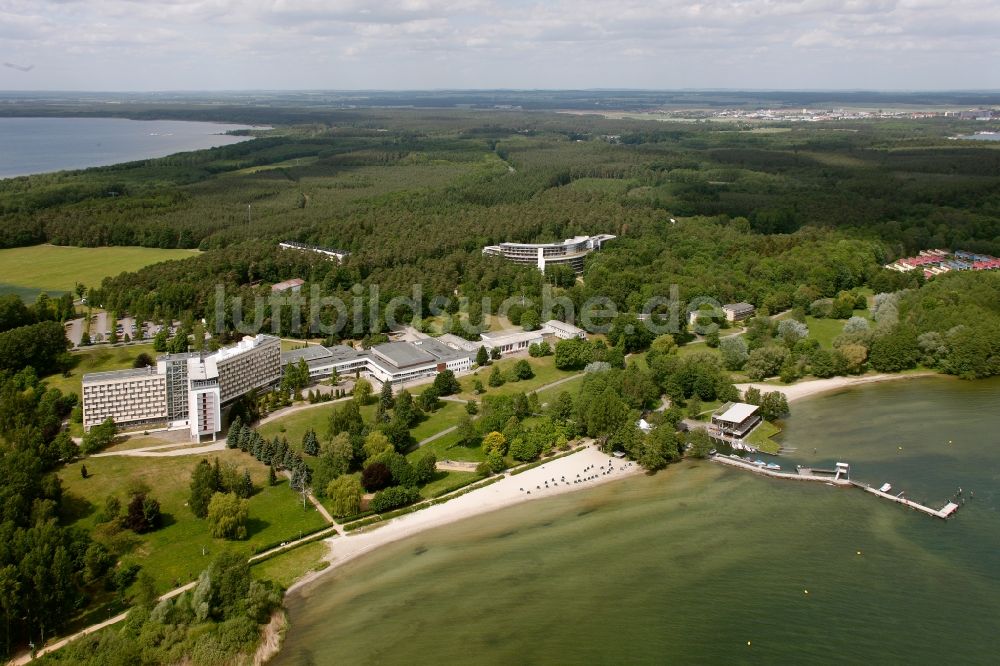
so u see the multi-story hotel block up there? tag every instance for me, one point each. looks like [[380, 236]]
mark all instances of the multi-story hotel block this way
[[571, 252], [183, 390]]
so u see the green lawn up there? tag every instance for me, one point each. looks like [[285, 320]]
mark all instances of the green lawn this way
[[545, 373], [761, 437], [448, 448], [572, 386], [288, 567], [183, 546], [445, 482], [295, 425], [96, 359], [449, 414], [29, 271], [825, 330]]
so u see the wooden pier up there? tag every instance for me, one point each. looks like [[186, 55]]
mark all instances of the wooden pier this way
[[832, 477]]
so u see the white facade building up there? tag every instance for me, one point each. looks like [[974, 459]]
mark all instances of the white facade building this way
[[183, 390], [511, 341], [571, 252]]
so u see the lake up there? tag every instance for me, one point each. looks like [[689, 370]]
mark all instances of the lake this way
[[704, 564], [41, 145]]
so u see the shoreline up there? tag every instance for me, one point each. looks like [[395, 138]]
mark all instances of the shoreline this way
[[500, 495], [814, 387]]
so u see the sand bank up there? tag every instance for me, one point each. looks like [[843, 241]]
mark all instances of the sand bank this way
[[507, 492], [812, 387]]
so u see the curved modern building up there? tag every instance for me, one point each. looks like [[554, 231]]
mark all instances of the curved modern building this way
[[571, 252]]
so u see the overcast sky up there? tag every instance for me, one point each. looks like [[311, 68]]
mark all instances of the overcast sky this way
[[419, 44]]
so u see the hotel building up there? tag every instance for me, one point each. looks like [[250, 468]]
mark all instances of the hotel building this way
[[571, 252], [182, 390]]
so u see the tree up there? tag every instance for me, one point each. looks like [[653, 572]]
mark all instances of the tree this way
[[573, 354], [227, 516], [346, 418], [765, 362], [244, 487], [471, 408], [494, 441], [700, 442], [392, 498], [310, 443], [482, 356], [83, 471], [99, 437], [426, 468], [376, 476], [362, 391], [657, 449], [530, 320], [895, 351], [734, 352], [345, 494], [142, 514], [522, 370], [406, 410], [791, 331], [562, 409], [496, 377], [694, 408], [272, 478], [446, 384], [773, 405], [386, 400], [495, 462], [429, 399], [467, 433], [143, 360], [376, 444], [495, 354], [204, 484]]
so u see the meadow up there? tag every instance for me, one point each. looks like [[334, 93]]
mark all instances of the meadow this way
[[176, 552], [28, 271], [96, 359]]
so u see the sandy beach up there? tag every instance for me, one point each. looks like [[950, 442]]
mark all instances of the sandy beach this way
[[590, 464], [813, 387]]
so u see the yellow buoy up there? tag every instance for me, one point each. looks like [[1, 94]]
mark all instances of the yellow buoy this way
[[859, 552], [806, 591], [748, 642]]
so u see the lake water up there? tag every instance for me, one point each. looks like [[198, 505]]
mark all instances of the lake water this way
[[704, 564], [41, 145], [994, 136]]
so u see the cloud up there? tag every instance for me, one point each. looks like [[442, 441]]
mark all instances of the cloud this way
[[522, 43]]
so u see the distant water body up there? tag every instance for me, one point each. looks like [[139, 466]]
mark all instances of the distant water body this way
[[702, 564], [992, 136], [40, 145]]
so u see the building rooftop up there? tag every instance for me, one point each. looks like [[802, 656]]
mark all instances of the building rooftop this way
[[344, 353], [738, 306], [509, 335], [402, 354], [287, 284], [310, 353], [738, 412], [557, 325], [113, 375], [243, 346], [456, 342], [441, 351]]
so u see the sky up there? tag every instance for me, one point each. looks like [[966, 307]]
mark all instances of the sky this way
[[142, 45]]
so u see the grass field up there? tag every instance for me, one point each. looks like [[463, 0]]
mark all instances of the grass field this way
[[825, 330], [545, 373], [449, 414], [445, 482], [447, 448], [762, 435], [97, 359], [288, 567], [294, 426], [183, 546], [28, 271]]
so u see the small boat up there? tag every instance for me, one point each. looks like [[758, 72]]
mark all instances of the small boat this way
[[760, 463], [712, 452], [773, 466]]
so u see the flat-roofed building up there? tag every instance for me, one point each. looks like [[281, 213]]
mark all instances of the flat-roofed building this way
[[570, 252], [131, 397], [736, 419], [294, 285], [738, 311], [511, 341], [563, 331]]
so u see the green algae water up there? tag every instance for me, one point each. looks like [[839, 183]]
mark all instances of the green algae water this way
[[704, 564]]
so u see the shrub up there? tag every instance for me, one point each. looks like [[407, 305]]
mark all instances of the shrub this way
[[393, 497]]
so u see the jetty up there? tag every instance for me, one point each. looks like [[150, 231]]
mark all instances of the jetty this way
[[839, 476]]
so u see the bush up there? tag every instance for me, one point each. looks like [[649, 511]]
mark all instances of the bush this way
[[393, 497], [376, 476]]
